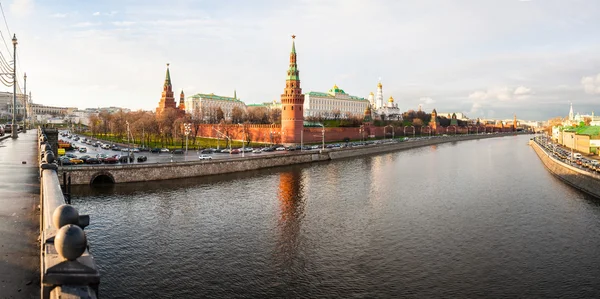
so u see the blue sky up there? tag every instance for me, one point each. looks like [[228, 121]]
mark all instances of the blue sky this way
[[482, 58]]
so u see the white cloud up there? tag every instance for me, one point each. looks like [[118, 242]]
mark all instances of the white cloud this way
[[96, 13], [86, 24], [522, 90], [123, 23], [591, 84], [22, 7]]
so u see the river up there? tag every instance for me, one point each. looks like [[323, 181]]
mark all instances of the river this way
[[479, 218]]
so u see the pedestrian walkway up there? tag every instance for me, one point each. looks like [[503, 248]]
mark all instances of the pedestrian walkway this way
[[19, 217]]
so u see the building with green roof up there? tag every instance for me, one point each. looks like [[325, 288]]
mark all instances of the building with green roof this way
[[206, 105], [329, 104]]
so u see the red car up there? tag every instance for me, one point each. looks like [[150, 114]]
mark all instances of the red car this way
[[235, 151], [111, 160]]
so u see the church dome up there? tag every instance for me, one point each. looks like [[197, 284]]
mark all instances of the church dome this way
[[379, 85], [391, 100]]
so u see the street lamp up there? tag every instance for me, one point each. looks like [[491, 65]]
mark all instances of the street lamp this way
[[24, 102], [323, 131], [188, 128], [14, 120], [244, 140]]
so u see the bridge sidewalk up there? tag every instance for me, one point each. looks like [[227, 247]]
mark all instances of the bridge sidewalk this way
[[19, 217]]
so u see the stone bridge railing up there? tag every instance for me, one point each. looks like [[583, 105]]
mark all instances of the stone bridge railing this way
[[68, 270]]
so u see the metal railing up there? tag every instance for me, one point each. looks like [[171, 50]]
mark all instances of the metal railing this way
[[68, 270]]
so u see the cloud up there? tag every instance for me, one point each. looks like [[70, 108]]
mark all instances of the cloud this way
[[591, 84], [123, 23], [427, 100], [96, 13], [86, 24], [22, 7], [522, 90]]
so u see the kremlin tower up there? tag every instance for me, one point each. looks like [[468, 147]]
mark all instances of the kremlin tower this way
[[292, 103], [167, 101]]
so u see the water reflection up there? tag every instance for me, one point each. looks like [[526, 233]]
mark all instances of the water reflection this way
[[291, 209]]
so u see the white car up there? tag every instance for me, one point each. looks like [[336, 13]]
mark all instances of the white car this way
[[82, 149], [205, 157], [257, 151], [164, 150], [106, 146], [281, 148]]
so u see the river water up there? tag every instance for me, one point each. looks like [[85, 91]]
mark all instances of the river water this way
[[470, 219]]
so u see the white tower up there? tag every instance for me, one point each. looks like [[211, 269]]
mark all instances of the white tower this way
[[571, 117], [379, 98], [372, 100]]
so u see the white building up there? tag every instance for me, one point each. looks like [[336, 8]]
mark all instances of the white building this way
[[459, 115], [207, 104], [387, 110], [336, 100]]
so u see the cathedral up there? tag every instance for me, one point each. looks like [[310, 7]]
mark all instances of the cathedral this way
[[387, 110]]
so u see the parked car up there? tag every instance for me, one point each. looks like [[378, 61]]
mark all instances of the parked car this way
[[101, 157], [76, 161], [84, 157], [257, 151], [70, 155], [111, 160], [126, 159], [106, 146], [235, 151], [64, 161], [1, 130], [205, 157], [281, 148], [155, 150], [142, 158], [208, 151], [164, 150], [178, 152], [144, 149], [83, 149], [92, 161]]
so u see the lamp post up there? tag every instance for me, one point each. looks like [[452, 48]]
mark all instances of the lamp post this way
[[244, 140], [24, 102], [188, 128], [323, 132], [14, 120]]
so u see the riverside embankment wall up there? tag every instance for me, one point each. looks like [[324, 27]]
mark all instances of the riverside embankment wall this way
[[577, 178], [81, 175]]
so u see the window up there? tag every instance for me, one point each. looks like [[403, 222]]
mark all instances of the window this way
[[292, 108]]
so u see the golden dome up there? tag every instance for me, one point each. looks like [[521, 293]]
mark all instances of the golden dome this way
[[335, 86], [371, 93], [379, 85], [391, 100]]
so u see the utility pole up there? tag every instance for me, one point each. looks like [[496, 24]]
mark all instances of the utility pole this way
[[24, 102], [14, 133]]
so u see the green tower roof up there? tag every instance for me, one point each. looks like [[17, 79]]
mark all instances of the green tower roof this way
[[168, 77]]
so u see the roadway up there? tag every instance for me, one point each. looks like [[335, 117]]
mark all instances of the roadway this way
[[19, 217]]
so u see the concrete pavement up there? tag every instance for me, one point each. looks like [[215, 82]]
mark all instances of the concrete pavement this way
[[19, 217]]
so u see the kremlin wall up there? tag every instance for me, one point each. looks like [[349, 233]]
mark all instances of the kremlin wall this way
[[293, 131]]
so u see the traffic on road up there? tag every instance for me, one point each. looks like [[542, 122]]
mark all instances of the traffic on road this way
[[568, 156]]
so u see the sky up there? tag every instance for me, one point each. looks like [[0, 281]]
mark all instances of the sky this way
[[487, 59]]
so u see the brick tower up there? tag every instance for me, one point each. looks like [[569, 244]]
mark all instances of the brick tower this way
[[182, 101], [167, 100], [434, 122], [292, 103]]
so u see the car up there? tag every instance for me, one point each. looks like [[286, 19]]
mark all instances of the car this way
[[257, 151], [281, 148], [95, 144], [155, 150], [111, 160], [125, 159], [235, 151], [83, 149], [1, 130], [84, 157], [92, 161], [70, 155], [105, 146], [205, 157], [208, 151], [164, 150], [135, 150], [142, 158], [64, 161], [76, 161], [101, 157], [115, 148], [178, 152], [144, 149]]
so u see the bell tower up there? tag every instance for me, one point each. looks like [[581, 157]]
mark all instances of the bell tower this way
[[292, 103]]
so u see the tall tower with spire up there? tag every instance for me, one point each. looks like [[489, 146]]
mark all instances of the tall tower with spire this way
[[167, 100], [379, 97], [571, 116], [514, 123], [182, 101], [292, 103]]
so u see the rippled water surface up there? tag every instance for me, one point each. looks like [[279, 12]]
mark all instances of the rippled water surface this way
[[460, 220]]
